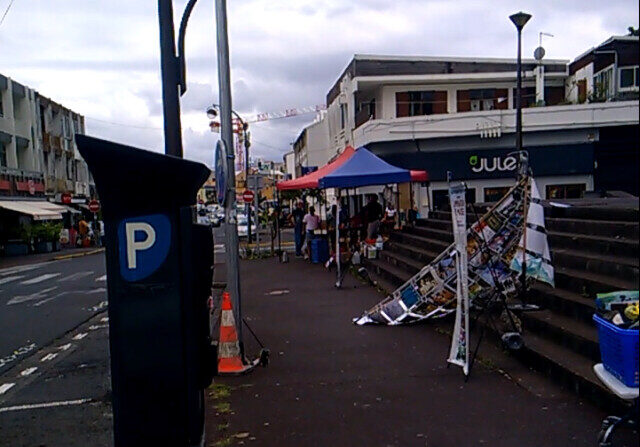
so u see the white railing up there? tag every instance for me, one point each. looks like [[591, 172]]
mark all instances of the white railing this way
[[493, 123]]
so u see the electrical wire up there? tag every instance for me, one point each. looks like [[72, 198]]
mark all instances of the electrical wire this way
[[6, 11]]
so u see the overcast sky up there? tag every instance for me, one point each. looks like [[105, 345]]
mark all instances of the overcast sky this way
[[101, 57]]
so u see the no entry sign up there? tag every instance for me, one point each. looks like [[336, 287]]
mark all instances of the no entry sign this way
[[94, 206], [247, 196]]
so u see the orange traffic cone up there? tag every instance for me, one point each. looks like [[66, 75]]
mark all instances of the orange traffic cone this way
[[229, 360]]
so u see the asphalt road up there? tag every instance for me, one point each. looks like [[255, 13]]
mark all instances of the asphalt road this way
[[41, 302]]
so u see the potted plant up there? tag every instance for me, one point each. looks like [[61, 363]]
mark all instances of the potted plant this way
[[18, 241], [41, 240]]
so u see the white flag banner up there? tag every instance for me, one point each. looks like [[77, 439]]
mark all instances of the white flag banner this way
[[459, 352], [538, 258]]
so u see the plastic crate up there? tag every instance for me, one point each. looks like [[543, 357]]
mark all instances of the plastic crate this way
[[619, 351]]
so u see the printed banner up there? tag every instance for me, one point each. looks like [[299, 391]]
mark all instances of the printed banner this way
[[491, 245], [459, 352]]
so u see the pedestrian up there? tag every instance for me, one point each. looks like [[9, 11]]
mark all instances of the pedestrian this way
[[296, 217], [312, 223], [373, 214]]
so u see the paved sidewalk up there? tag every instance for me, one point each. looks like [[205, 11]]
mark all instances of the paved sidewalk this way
[[333, 383], [12, 261]]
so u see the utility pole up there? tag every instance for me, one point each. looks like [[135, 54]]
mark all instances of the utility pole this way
[[226, 130], [169, 65]]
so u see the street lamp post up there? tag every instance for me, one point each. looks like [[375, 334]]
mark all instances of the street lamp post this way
[[520, 19]]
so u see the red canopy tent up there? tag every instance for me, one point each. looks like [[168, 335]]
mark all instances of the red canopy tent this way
[[311, 180]]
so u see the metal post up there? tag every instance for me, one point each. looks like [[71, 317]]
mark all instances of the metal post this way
[[338, 267], [231, 230], [519, 94], [170, 80], [246, 177]]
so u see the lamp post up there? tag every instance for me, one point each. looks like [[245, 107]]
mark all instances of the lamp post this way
[[519, 19], [212, 112]]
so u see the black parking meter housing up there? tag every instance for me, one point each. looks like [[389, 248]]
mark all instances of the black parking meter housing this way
[[159, 276]]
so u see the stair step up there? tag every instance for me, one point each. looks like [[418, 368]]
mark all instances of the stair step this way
[[595, 244], [420, 254], [404, 262], [394, 275], [576, 335], [568, 303], [420, 241], [431, 233], [588, 283], [607, 228], [615, 266], [572, 370]]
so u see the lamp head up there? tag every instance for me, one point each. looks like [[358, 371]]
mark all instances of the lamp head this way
[[520, 19], [212, 112]]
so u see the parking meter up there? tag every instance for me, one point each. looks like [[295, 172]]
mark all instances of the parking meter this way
[[159, 274]]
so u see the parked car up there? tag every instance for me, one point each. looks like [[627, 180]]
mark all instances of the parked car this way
[[243, 228]]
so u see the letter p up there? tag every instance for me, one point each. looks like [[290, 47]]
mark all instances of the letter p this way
[[132, 246]]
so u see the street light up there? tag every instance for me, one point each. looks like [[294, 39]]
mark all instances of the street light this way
[[212, 113], [519, 19]]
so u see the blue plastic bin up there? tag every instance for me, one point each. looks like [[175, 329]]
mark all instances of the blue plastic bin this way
[[319, 250], [619, 351]]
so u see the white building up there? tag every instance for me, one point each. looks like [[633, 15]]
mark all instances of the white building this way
[[458, 114], [38, 155]]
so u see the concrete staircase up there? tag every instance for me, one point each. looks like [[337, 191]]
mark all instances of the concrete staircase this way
[[593, 250]]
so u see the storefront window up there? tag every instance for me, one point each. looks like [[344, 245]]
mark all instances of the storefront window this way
[[441, 198], [575, 191], [495, 194]]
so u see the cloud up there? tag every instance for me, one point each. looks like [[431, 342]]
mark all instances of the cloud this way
[[102, 58]]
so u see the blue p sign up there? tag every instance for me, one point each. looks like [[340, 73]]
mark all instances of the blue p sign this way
[[143, 244]]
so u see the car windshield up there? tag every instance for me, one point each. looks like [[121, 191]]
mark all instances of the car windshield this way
[[242, 220]]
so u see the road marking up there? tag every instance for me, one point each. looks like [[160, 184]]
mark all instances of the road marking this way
[[101, 305], [10, 278], [18, 352], [46, 300], [65, 347], [79, 336], [20, 269], [64, 403], [94, 327], [104, 319], [50, 356], [40, 278], [29, 371], [98, 290], [6, 387], [75, 276], [34, 296], [101, 278]]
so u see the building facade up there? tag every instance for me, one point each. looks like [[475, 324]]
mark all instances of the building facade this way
[[38, 154], [580, 120]]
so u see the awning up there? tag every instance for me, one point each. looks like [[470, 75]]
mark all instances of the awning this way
[[59, 208], [311, 180], [364, 169], [39, 210]]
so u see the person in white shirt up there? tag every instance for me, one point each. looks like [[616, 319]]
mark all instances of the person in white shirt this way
[[312, 223]]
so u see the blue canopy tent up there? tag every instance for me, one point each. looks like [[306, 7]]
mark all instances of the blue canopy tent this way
[[362, 169]]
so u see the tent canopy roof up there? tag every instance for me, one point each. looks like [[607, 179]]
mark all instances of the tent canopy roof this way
[[311, 180], [364, 169], [354, 168]]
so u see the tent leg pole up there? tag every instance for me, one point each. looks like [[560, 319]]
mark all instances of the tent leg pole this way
[[338, 282]]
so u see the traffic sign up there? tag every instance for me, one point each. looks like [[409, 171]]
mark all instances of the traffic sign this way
[[65, 198], [94, 206], [247, 196]]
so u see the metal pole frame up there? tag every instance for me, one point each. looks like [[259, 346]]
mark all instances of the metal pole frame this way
[[226, 130], [170, 71]]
